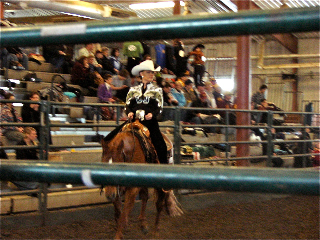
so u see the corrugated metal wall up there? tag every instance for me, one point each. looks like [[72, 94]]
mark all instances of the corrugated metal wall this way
[[280, 91]]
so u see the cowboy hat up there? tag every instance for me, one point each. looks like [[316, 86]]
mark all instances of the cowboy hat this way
[[147, 65], [198, 46]]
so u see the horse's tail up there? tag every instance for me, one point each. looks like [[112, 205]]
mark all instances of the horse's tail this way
[[169, 201]]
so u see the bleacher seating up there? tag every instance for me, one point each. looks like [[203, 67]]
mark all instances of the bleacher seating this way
[[44, 67], [44, 76]]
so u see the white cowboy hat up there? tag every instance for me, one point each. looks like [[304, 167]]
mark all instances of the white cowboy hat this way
[[147, 65]]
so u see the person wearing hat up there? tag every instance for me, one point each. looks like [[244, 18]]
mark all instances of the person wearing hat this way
[[198, 63], [189, 92], [148, 97]]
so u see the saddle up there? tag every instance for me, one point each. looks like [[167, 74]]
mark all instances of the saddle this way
[[143, 134]]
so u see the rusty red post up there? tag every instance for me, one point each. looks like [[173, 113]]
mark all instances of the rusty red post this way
[[243, 89]]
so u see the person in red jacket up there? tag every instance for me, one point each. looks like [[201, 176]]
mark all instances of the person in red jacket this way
[[316, 158]]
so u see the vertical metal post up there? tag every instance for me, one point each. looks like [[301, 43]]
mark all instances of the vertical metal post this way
[[269, 138], [118, 114], [304, 144], [228, 148], [176, 8], [176, 136], [43, 202], [243, 84], [47, 128], [42, 131]]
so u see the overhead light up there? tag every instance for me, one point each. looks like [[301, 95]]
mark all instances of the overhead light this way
[[141, 6]]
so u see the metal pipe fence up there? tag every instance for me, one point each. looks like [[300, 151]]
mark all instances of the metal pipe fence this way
[[177, 127]]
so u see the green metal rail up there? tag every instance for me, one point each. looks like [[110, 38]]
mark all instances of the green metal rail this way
[[266, 180], [190, 26]]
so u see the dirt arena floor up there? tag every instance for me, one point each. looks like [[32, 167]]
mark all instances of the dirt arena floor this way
[[287, 217]]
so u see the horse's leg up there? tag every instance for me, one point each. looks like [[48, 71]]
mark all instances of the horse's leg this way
[[117, 208], [130, 197], [160, 202], [142, 217]]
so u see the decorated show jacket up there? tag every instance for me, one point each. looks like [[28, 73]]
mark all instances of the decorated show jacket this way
[[150, 100]]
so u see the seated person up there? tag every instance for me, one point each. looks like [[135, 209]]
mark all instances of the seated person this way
[[105, 96], [16, 59], [178, 94], [259, 96], [10, 115], [316, 158], [168, 100], [208, 88], [227, 104], [189, 92], [105, 90], [80, 72], [105, 61], [121, 83], [202, 116], [30, 137], [265, 105], [55, 54]]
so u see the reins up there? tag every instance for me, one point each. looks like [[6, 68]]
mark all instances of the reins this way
[[134, 140]]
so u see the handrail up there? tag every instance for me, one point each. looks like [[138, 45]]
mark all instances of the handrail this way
[[198, 25], [266, 180]]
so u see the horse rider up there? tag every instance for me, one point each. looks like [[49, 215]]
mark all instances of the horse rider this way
[[148, 98]]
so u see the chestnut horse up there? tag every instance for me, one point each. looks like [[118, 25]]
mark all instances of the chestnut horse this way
[[125, 147]]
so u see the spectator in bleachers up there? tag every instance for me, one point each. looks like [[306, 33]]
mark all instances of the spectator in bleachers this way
[[180, 56], [16, 59], [106, 63], [202, 116], [29, 139], [265, 105], [94, 67], [121, 83], [259, 95], [178, 94], [115, 53], [208, 88], [227, 104], [316, 158], [80, 73], [87, 51], [183, 78], [198, 63], [55, 54], [30, 113], [217, 93], [10, 115], [3, 154], [168, 100], [105, 90], [189, 92], [105, 96]]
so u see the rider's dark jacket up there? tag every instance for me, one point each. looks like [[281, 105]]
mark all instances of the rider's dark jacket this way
[[150, 100]]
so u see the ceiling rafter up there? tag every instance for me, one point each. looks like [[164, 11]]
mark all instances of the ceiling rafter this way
[[287, 40]]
